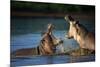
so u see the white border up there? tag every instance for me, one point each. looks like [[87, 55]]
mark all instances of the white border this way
[[5, 33], [85, 2]]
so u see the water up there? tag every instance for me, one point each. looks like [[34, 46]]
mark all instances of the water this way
[[26, 33]]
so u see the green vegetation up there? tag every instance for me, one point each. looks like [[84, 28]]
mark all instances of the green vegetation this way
[[49, 7]]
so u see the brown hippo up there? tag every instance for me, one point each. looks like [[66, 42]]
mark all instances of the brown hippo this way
[[77, 31], [47, 45]]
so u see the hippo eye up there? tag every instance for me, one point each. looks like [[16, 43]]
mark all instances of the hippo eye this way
[[42, 40]]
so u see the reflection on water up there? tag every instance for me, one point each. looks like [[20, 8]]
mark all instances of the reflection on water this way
[[26, 33], [37, 60]]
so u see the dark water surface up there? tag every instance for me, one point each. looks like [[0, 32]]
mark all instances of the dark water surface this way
[[26, 33]]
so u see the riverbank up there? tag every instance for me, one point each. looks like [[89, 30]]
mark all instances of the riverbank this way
[[55, 15]]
